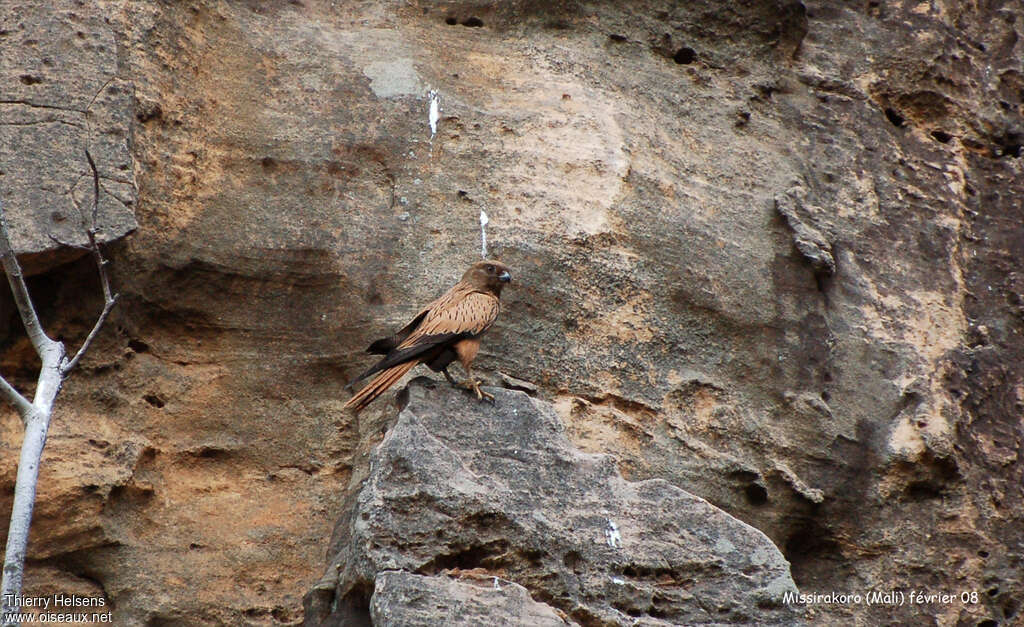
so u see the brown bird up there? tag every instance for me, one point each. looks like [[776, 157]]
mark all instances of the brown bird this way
[[446, 329]]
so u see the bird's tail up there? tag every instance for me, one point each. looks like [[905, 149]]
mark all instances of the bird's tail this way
[[379, 385]]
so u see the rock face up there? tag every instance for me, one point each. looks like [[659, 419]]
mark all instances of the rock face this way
[[401, 598], [766, 252], [60, 94], [499, 491]]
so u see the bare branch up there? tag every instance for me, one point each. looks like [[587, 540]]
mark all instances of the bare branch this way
[[101, 263], [40, 341], [36, 415], [109, 298], [55, 368], [95, 190], [37, 420], [107, 307], [14, 396], [36, 426]]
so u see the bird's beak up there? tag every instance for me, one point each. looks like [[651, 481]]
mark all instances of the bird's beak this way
[[504, 277]]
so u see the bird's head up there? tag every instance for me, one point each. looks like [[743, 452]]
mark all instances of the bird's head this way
[[488, 275]]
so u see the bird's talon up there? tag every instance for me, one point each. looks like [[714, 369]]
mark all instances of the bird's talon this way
[[474, 386]]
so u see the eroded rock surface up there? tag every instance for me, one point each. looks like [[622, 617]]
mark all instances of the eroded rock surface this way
[[402, 598], [767, 252], [62, 91], [458, 484]]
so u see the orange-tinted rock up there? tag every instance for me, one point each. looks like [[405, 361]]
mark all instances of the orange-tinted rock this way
[[841, 372]]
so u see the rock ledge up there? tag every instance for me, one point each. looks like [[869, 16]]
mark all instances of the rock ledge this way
[[497, 494]]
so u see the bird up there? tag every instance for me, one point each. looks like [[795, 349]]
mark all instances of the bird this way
[[447, 329]]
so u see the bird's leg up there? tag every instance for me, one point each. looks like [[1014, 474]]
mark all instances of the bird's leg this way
[[472, 384], [448, 376]]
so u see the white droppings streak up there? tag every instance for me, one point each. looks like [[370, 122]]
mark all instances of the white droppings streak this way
[[435, 112], [483, 234], [611, 534]]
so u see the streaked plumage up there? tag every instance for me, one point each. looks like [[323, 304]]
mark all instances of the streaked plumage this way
[[445, 330]]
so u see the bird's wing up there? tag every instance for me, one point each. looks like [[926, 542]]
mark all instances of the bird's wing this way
[[469, 313], [462, 312], [385, 345], [466, 314]]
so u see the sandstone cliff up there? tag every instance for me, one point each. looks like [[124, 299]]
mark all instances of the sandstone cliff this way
[[766, 253]]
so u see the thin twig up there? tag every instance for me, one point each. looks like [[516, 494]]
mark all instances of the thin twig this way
[[101, 263], [109, 298], [95, 189], [70, 365], [14, 396]]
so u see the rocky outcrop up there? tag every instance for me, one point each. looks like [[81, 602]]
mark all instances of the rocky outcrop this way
[[766, 252], [61, 92], [500, 493], [402, 598]]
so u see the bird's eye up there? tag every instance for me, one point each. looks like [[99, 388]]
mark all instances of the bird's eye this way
[[490, 269]]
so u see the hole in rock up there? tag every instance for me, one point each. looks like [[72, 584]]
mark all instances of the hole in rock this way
[[1010, 608], [923, 491], [684, 56], [756, 494], [895, 118], [212, 452], [354, 607], [1012, 150], [814, 555], [153, 400]]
